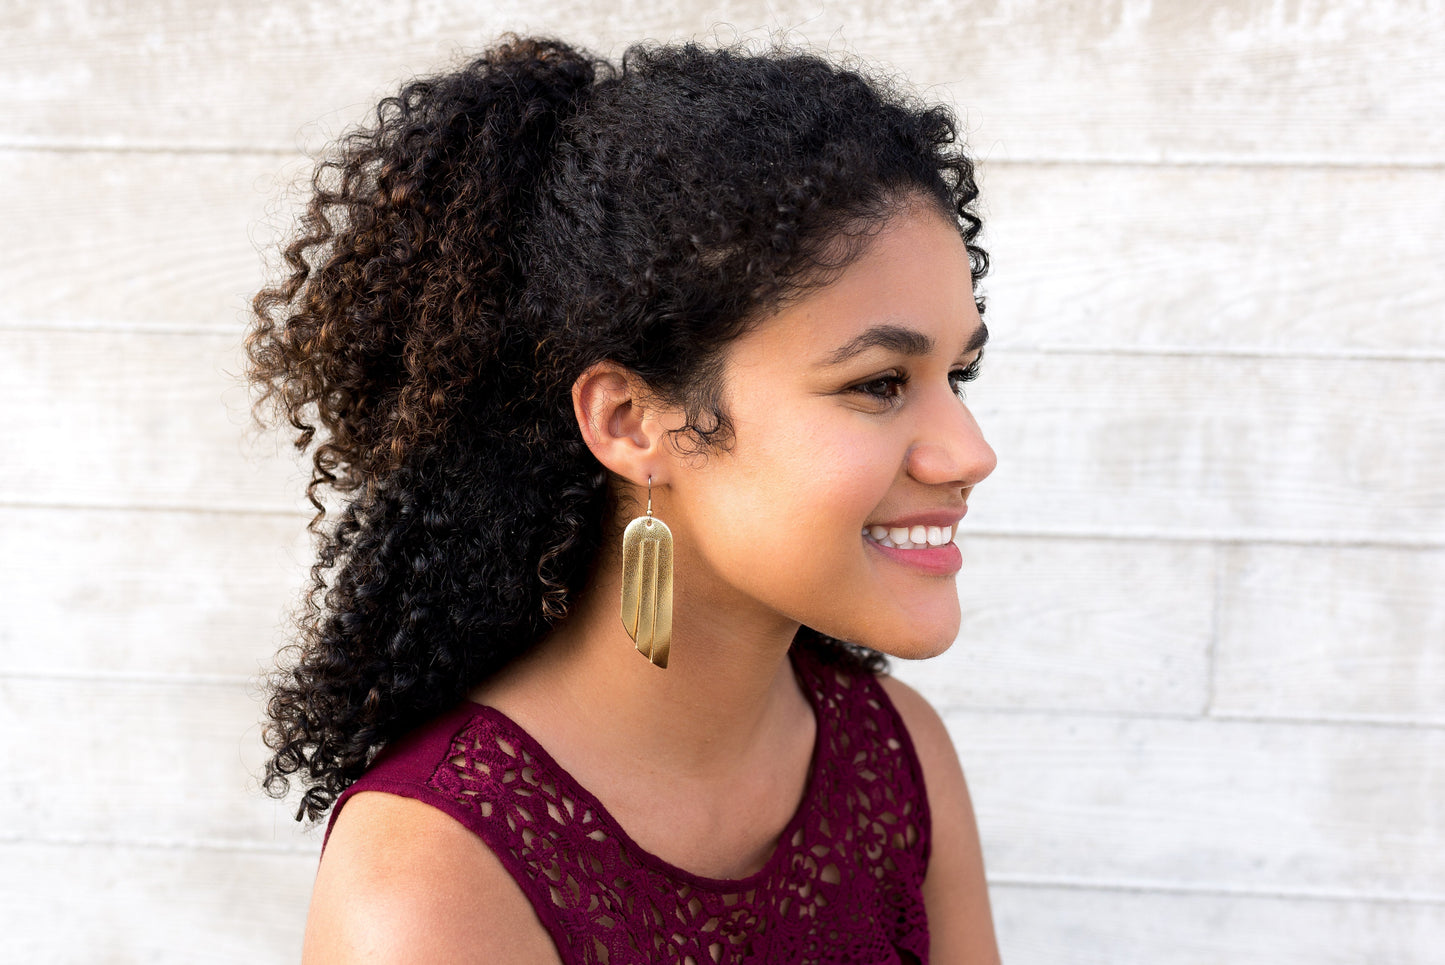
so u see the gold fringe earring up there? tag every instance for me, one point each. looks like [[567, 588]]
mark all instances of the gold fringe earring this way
[[647, 584]]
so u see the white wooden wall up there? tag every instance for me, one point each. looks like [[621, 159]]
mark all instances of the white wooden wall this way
[[1200, 691]]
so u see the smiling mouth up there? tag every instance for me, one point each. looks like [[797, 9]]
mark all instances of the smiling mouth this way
[[909, 537]]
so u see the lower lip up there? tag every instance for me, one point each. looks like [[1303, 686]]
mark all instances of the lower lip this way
[[943, 560]]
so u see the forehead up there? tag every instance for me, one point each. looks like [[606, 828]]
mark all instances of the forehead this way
[[914, 274]]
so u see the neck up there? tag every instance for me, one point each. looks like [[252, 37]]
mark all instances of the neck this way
[[728, 686]]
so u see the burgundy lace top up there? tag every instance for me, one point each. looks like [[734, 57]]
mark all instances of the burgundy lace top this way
[[842, 886]]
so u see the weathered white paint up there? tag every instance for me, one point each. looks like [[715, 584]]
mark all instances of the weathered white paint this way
[[1041, 925], [1061, 624], [1324, 632], [1306, 809], [1123, 258], [117, 419], [1336, 82], [1212, 446], [152, 763], [101, 904], [146, 594], [1199, 687], [1180, 446]]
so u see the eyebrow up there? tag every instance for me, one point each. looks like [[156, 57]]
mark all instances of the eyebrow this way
[[896, 338]]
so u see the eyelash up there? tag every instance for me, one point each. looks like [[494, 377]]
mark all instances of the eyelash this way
[[893, 384]]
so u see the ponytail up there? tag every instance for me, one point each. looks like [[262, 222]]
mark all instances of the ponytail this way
[[402, 287]]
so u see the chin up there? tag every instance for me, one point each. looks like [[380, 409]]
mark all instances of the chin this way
[[913, 642], [917, 649]]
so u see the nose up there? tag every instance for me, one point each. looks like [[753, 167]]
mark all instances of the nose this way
[[950, 448]]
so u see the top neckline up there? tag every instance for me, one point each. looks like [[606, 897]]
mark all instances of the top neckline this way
[[804, 676]]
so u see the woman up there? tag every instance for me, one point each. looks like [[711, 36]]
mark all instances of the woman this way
[[681, 341]]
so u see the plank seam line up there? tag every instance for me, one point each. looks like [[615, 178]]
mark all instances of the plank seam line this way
[[985, 159], [249, 682], [1219, 891], [1201, 537], [92, 326], [1224, 352], [138, 677], [184, 150], [1215, 161], [157, 844], [946, 707], [302, 516], [1215, 538]]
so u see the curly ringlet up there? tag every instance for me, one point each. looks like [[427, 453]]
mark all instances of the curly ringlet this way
[[462, 259]]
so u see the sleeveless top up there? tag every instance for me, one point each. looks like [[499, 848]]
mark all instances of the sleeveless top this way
[[843, 885]]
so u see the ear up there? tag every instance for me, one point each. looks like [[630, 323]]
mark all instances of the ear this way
[[621, 422]]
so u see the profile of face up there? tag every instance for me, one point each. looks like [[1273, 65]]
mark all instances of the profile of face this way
[[853, 456]]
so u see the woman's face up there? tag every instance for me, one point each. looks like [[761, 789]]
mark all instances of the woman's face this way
[[849, 427]]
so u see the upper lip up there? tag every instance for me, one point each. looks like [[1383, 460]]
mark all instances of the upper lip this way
[[937, 517]]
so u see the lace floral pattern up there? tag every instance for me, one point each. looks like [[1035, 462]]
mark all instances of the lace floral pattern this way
[[843, 885]]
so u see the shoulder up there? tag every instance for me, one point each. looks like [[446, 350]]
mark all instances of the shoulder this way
[[954, 890], [402, 882]]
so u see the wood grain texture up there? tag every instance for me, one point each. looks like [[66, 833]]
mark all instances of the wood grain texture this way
[[1235, 806], [1328, 810], [139, 241], [1214, 448], [1207, 259], [1336, 633], [1256, 79], [1040, 925], [92, 904], [164, 764], [136, 420], [1077, 625], [1198, 691], [1094, 445], [1131, 259], [97, 592]]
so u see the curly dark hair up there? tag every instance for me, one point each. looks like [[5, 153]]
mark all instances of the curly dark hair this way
[[462, 260]]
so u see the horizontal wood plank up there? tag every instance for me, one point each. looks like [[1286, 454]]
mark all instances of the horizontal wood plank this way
[[1275, 449], [137, 420], [1047, 624], [1324, 632], [1206, 805], [146, 593], [1208, 259], [87, 904], [147, 241], [1215, 448], [1307, 810], [1201, 259], [127, 761], [1040, 925], [1348, 80], [1076, 625]]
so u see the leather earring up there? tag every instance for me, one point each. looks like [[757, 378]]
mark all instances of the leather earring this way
[[647, 584]]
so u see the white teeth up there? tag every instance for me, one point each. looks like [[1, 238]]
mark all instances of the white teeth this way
[[909, 538]]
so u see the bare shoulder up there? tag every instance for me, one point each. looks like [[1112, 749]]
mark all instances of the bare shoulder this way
[[401, 882], [955, 891]]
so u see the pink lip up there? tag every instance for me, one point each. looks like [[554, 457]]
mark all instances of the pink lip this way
[[946, 517], [943, 560]]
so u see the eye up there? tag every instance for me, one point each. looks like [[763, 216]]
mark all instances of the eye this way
[[885, 388], [958, 377]]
